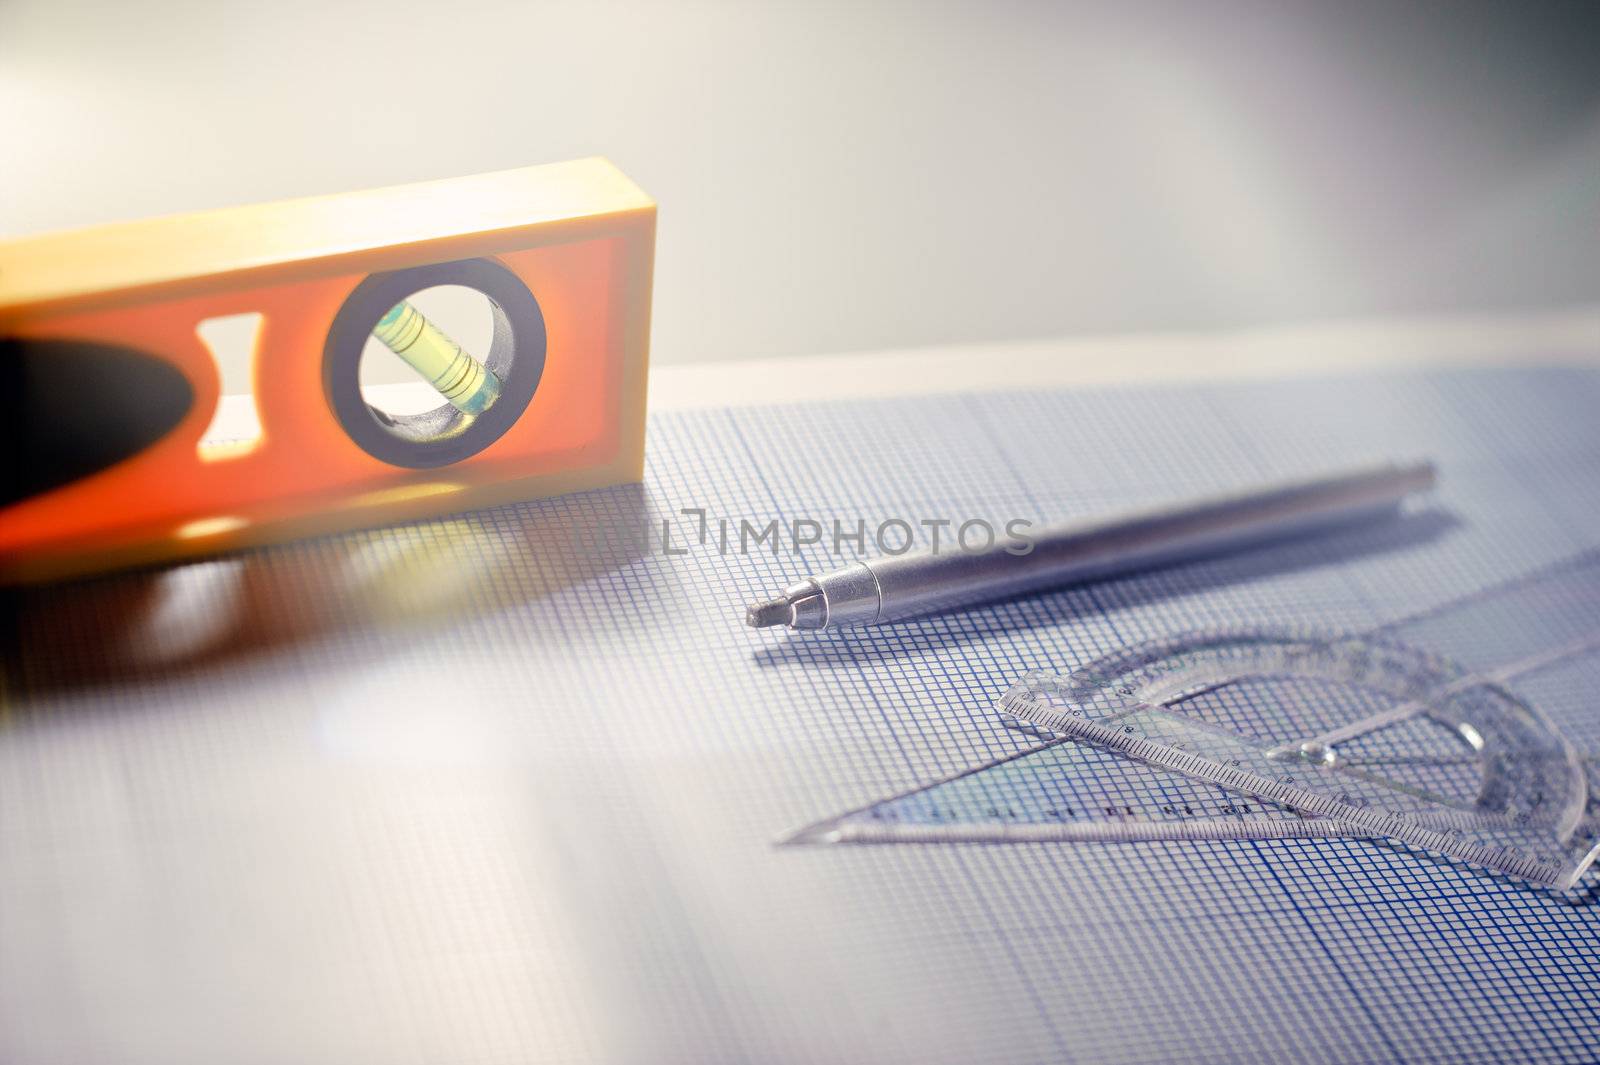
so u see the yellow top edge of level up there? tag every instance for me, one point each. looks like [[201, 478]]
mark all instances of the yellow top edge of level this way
[[176, 252]]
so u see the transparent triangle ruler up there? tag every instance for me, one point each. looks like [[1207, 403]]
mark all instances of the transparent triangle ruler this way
[[1461, 731]]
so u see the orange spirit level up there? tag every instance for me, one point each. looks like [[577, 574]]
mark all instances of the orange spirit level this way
[[106, 387]]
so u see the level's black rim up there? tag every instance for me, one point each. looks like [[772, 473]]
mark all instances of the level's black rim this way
[[442, 435]]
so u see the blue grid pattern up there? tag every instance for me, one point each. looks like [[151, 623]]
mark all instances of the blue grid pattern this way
[[504, 787]]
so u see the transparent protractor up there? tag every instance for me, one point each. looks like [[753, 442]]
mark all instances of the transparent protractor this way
[[1427, 732]]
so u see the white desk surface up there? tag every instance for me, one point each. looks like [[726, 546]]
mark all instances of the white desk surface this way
[[1567, 336], [1570, 336]]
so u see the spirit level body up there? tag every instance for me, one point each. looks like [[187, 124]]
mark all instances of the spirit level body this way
[[579, 236]]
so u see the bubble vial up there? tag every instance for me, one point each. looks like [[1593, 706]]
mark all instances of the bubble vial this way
[[470, 386]]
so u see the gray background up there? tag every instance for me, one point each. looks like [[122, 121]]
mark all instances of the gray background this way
[[856, 176]]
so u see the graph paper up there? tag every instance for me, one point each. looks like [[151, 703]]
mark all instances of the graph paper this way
[[505, 787]]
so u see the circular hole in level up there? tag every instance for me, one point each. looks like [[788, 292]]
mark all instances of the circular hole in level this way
[[421, 378], [463, 411]]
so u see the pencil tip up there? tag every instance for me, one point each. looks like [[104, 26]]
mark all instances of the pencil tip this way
[[813, 835], [772, 612]]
